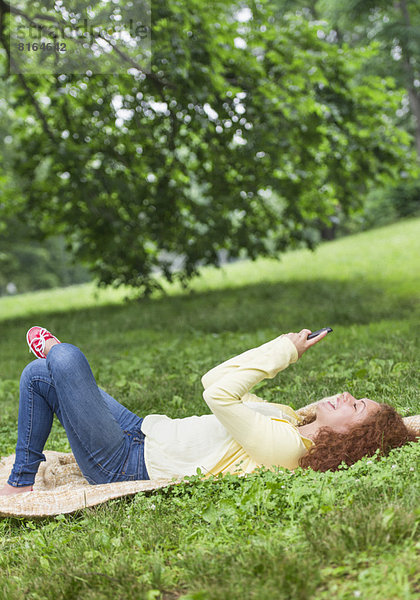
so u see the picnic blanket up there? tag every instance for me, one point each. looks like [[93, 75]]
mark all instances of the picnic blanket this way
[[60, 488]]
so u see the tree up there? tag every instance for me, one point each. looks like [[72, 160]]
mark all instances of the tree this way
[[242, 134], [396, 27]]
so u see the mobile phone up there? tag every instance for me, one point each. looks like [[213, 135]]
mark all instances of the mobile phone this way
[[315, 333]]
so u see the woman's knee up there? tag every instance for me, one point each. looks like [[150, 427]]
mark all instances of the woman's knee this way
[[35, 369], [65, 358]]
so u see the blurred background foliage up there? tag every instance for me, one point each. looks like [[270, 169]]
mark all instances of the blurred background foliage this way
[[260, 126], [28, 262]]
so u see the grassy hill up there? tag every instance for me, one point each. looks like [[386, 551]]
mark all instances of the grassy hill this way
[[343, 535]]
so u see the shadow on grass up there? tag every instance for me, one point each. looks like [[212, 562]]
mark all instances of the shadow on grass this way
[[264, 305]]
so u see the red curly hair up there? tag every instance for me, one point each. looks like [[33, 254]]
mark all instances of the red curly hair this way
[[383, 431]]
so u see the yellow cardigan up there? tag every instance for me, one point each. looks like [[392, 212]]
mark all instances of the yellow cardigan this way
[[242, 433]]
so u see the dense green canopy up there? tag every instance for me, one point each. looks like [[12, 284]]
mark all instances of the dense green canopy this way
[[246, 129]]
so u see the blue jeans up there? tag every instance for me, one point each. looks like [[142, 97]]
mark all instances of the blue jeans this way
[[105, 437]]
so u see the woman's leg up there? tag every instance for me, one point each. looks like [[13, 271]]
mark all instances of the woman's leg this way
[[34, 424], [96, 424]]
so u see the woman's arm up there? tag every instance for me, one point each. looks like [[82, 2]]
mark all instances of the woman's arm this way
[[269, 441], [266, 440], [299, 340], [230, 365]]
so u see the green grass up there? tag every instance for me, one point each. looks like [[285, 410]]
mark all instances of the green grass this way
[[271, 535]]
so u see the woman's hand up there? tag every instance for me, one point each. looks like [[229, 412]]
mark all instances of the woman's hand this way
[[301, 341]]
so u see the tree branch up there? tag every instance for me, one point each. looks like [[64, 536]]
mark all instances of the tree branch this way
[[129, 60], [38, 110], [4, 10]]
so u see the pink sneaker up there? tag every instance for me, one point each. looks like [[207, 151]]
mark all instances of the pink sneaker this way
[[36, 338]]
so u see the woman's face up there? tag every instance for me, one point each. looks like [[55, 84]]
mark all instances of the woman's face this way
[[342, 411]]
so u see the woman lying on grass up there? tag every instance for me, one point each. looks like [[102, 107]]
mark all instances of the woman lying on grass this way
[[110, 443]]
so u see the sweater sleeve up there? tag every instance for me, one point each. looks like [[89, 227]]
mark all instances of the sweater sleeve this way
[[230, 365], [268, 441]]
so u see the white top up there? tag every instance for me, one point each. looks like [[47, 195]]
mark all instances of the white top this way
[[243, 432]]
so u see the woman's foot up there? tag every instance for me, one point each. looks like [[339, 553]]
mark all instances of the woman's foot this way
[[10, 490], [40, 341]]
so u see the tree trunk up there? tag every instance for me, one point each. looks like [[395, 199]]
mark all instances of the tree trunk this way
[[414, 98], [413, 95]]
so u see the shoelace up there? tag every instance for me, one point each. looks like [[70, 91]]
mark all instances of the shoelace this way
[[38, 343]]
